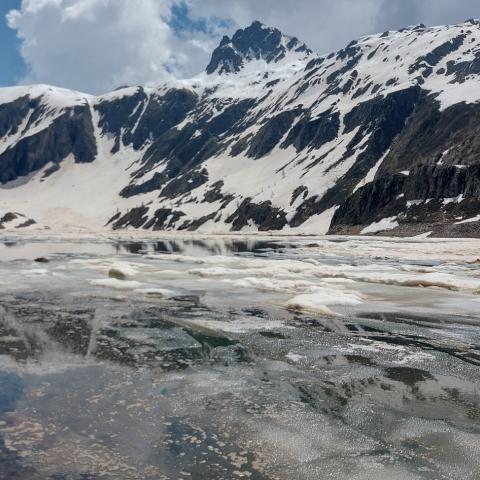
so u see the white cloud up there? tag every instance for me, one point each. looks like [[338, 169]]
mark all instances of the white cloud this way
[[325, 25], [328, 25], [98, 45]]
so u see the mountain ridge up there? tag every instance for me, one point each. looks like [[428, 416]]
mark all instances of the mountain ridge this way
[[255, 42], [279, 138]]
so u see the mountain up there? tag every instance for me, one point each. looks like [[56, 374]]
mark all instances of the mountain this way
[[382, 136], [256, 42]]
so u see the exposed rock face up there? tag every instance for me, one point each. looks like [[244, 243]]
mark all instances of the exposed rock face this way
[[69, 134], [263, 215], [134, 218], [270, 136], [431, 196], [256, 42], [439, 152], [12, 114], [13, 221]]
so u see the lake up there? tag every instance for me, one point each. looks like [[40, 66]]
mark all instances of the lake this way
[[202, 357]]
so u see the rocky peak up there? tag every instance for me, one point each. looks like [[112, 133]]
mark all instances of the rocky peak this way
[[256, 42]]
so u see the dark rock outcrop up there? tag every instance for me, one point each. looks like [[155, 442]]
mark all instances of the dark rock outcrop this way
[[14, 113], [313, 133], [431, 195], [263, 215], [383, 118], [433, 58], [270, 134], [135, 218], [70, 134], [255, 42]]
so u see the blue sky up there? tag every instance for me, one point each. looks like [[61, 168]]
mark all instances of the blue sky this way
[[97, 45], [12, 66]]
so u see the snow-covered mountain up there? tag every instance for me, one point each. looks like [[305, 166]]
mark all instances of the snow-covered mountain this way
[[380, 136]]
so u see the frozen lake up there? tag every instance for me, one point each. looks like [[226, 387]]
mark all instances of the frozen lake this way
[[239, 358]]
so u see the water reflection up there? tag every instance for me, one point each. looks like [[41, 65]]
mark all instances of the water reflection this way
[[159, 372], [203, 247], [13, 250]]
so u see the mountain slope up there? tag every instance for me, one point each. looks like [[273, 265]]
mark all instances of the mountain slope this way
[[270, 137]]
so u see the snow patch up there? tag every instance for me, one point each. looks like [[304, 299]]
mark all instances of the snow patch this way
[[383, 225], [469, 220]]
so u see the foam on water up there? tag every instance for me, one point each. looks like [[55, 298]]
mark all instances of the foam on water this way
[[335, 357]]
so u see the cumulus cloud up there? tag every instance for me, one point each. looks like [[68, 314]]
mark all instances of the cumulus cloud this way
[[327, 25], [394, 14], [98, 45]]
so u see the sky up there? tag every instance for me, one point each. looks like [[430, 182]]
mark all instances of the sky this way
[[12, 67], [98, 45]]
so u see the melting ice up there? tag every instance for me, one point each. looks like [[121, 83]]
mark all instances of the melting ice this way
[[234, 357]]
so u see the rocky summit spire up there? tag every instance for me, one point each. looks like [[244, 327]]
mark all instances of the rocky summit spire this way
[[256, 42]]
